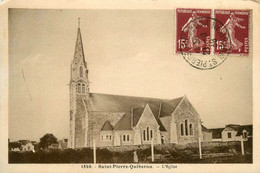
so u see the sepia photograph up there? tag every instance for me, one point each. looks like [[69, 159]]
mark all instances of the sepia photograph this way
[[138, 86]]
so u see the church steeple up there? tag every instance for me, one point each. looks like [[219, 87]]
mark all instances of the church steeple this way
[[79, 51], [79, 66], [79, 94]]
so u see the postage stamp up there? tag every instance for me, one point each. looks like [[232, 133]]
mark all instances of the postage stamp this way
[[193, 30], [236, 30]]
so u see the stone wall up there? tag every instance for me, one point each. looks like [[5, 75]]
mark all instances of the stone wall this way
[[96, 121], [186, 111], [103, 140], [148, 120], [80, 116], [166, 137], [118, 137], [71, 139], [207, 136]]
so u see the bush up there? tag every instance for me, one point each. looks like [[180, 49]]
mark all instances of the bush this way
[[53, 156], [170, 153]]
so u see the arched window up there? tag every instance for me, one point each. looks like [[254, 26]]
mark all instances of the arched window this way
[[79, 88], [81, 71], [191, 129], [147, 133], [83, 88], [123, 137], [182, 130], [186, 127]]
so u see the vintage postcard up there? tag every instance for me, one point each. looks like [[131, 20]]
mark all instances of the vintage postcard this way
[[127, 87]]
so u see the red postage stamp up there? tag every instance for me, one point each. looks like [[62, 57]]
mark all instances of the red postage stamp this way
[[193, 30], [235, 29]]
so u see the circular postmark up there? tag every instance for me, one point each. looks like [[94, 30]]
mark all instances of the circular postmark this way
[[202, 45]]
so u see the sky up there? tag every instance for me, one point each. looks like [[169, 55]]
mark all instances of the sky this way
[[128, 52]]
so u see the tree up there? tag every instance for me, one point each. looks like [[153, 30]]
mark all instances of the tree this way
[[14, 145], [47, 140]]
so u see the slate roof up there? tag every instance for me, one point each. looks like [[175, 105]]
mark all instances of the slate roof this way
[[204, 129], [233, 126], [168, 107], [166, 122], [137, 112], [216, 133], [107, 126], [248, 128], [124, 123], [132, 107]]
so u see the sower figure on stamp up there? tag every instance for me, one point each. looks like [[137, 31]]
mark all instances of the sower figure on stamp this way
[[191, 28], [229, 28]]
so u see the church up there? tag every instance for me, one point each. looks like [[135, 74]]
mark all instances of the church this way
[[114, 120]]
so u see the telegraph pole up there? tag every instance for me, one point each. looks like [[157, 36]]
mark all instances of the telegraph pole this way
[[152, 150]]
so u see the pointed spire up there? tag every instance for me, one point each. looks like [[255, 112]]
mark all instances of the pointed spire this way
[[79, 52]]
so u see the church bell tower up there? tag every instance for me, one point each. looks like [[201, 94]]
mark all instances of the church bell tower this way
[[79, 93]]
